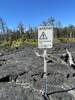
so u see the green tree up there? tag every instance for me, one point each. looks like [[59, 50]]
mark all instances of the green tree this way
[[21, 29], [51, 22], [2, 26], [71, 30]]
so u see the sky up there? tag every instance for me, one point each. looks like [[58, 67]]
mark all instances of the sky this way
[[33, 12]]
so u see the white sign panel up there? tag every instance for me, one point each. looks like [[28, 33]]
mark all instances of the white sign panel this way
[[45, 37]]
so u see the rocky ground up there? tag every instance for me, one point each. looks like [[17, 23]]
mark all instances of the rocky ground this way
[[21, 74]]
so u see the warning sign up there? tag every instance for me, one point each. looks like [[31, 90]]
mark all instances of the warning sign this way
[[45, 37]]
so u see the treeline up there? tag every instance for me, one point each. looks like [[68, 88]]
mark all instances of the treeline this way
[[59, 30], [9, 36], [19, 32]]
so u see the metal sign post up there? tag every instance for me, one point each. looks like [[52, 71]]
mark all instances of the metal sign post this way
[[45, 72], [45, 40]]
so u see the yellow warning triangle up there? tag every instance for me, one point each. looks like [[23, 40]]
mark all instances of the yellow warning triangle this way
[[43, 36]]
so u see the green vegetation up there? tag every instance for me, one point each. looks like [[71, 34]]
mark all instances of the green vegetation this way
[[21, 36], [63, 40], [18, 42]]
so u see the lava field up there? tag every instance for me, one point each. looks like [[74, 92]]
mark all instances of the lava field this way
[[21, 74]]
